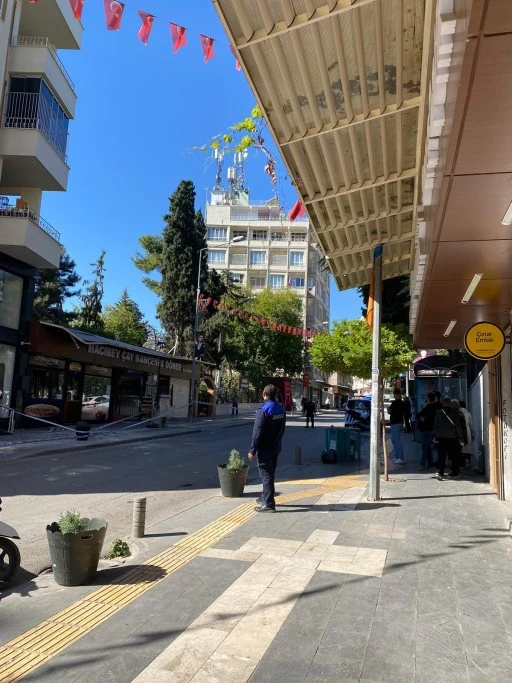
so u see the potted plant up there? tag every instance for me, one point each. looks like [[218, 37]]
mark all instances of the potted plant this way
[[233, 475], [82, 430], [75, 544]]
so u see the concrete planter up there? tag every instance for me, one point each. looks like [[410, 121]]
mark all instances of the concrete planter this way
[[232, 482], [75, 556]]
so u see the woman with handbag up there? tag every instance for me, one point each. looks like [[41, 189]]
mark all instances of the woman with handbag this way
[[449, 437]]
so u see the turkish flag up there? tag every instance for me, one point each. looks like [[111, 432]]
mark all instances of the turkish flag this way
[[237, 63], [207, 45], [147, 25], [179, 37], [113, 14], [76, 7], [298, 209]]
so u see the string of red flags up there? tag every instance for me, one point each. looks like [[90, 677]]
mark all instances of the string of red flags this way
[[114, 13], [246, 315]]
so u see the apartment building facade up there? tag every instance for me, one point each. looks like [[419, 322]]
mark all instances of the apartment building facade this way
[[37, 101], [270, 251]]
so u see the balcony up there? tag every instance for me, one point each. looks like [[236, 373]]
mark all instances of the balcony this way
[[33, 145], [52, 18], [29, 238], [238, 260], [38, 56]]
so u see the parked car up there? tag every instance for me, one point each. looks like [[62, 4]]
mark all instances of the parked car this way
[[95, 408]]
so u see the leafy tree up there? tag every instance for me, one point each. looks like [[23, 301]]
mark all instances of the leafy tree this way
[[124, 321], [89, 312], [183, 238], [150, 260], [259, 352], [348, 349], [396, 300], [54, 287]]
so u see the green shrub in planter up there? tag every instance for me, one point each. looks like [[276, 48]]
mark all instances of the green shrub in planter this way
[[75, 544], [233, 475]]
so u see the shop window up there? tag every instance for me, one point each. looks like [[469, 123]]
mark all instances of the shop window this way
[[96, 398], [46, 384], [11, 291], [7, 356]]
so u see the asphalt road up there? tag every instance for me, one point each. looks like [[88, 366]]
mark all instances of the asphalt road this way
[[174, 474]]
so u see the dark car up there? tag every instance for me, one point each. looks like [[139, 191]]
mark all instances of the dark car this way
[[358, 412]]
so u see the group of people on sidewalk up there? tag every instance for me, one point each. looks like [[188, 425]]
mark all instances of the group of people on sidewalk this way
[[446, 426], [400, 413]]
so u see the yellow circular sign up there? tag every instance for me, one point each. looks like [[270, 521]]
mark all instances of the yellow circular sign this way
[[484, 341]]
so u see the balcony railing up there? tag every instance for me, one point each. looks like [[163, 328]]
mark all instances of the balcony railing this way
[[33, 111], [31, 41], [27, 212]]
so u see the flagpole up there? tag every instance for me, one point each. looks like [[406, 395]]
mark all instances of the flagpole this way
[[375, 434]]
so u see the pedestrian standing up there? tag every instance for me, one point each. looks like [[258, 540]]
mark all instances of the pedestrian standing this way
[[396, 422], [468, 449], [267, 435], [462, 421], [234, 406], [425, 422], [449, 437], [310, 413], [407, 414], [303, 403]]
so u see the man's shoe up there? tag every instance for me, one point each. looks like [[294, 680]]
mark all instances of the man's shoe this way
[[264, 508]]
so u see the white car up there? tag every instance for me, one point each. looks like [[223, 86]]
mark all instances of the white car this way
[[95, 408]]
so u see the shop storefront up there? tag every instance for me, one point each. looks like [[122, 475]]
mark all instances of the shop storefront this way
[[74, 375]]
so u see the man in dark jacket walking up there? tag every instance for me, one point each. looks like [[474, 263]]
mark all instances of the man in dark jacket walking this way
[[267, 436], [310, 413], [450, 437], [425, 421]]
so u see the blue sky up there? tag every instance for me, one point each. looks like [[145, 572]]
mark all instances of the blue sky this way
[[140, 111]]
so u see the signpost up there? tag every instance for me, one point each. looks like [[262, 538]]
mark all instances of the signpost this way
[[484, 341]]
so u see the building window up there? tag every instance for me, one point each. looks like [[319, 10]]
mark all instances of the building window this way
[[11, 292], [7, 356], [217, 234], [296, 282], [276, 236], [310, 283], [216, 256], [298, 236], [237, 278], [278, 259], [240, 233], [31, 104], [257, 258], [259, 234], [296, 258], [276, 281], [257, 282], [238, 259]]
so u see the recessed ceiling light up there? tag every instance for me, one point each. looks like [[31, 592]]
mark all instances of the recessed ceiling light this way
[[507, 218], [472, 286], [450, 327]]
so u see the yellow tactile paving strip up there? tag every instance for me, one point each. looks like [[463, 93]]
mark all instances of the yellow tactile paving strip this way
[[37, 646]]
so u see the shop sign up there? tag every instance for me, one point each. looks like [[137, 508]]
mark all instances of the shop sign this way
[[98, 370], [133, 357], [244, 383], [46, 361], [75, 367], [484, 341]]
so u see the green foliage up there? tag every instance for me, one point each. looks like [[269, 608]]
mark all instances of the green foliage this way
[[124, 321], [150, 260], [396, 300], [348, 349], [90, 309], [72, 523], [183, 238], [235, 461], [54, 286], [259, 352], [118, 548]]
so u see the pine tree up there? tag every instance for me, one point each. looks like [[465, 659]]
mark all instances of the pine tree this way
[[183, 237], [54, 286], [125, 322], [89, 312]]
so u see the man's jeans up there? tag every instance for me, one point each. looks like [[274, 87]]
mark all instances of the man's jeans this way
[[267, 463], [398, 451], [426, 448]]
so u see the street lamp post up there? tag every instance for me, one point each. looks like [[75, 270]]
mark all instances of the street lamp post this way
[[192, 395]]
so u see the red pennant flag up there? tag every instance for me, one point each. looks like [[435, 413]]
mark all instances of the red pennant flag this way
[[32, 2], [207, 45], [113, 14], [179, 37], [76, 7], [297, 210], [147, 25], [237, 63]]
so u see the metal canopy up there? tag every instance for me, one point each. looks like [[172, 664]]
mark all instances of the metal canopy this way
[[340, 84]]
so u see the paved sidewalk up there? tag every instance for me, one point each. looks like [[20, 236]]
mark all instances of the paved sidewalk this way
[[333, 587]]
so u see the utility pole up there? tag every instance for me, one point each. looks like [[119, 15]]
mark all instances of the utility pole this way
[[375, 427]]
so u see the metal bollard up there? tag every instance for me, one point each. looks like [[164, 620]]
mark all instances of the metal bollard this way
[[139, 518], [298, 455]]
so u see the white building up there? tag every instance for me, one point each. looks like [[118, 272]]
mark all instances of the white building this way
[[37, 102], [271, 251]]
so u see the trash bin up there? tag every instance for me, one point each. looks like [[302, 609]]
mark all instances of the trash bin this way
[[345, 442]]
